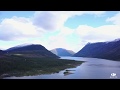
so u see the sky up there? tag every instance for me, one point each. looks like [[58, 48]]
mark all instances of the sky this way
[[71, 30]]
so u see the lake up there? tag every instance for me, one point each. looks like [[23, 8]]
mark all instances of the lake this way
[[93, 68]]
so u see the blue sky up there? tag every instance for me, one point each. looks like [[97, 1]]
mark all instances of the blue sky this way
[[71, 30], [90, 20]]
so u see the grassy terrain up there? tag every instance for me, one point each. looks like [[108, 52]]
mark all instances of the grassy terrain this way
[[24, 66]]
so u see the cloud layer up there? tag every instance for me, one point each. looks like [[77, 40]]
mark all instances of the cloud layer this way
[[115, 19], [82, 35], [18, 28], [102, 33], [54, 20]]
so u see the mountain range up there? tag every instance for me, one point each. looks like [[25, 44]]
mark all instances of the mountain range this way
[[105, 50], [33, 50], [62, 52]]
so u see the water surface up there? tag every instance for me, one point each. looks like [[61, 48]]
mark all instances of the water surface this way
[[93, 68]]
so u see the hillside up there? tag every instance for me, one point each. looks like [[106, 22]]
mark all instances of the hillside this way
[[33, 50], [105, 50], [71, 52], [2, 53], [62, 52], [25, 66]]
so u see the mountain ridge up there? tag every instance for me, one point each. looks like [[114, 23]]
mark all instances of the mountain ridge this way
[[35, 50], [62, 52], [109, 50]]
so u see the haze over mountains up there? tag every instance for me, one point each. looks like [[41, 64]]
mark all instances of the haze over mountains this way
[[105, 50], [62, 52]]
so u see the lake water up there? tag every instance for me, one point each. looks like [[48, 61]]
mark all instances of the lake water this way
[[93, 68]]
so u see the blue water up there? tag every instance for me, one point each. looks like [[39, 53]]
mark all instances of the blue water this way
[[93, 68]]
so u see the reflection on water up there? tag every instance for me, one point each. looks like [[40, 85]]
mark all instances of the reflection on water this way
[[93, 68], [67, 72]]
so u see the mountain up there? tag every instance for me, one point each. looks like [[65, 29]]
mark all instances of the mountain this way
[[105, 50], [33, 50], [71, 52], [18, 46], [1, 52], [62, 52]]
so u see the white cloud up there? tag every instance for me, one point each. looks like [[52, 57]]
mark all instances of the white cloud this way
[[85, 34], [60, 40], [98, 34], [17, 28], [49, 20], [54, 20], [64, 31], [115, 19]]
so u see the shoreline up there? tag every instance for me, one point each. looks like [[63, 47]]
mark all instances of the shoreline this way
[[35, 66]]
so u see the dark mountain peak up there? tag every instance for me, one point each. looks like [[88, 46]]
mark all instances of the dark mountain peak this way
[[106, 50], [34, 45], [32, 50], [2, 52], [27, 47], [116, 40]]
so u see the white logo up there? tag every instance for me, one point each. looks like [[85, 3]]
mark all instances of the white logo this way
[[113, 75]]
